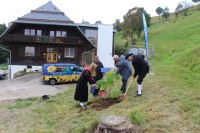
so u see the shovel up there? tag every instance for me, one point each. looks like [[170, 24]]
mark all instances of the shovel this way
[[121, 98]]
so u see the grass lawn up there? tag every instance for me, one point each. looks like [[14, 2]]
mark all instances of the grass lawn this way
[[171, 95], [164, 107], [3, 66]]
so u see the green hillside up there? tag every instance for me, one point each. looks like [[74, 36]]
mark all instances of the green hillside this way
[[171, 93], [177, 46]]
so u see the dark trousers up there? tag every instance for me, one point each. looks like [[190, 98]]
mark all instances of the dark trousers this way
[[141, 76], [123, 88], [97, 89]]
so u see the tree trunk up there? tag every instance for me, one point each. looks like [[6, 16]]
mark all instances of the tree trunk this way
[[131, 40], [131, 37], [115, 124]]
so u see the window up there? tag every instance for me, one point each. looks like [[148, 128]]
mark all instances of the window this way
[[76, 69], [26, 32], [64, 34], [92, 35], [29, 67], [29, 51], [52, 49], [29, 32], [59, 69], [69, 52], [32, 32], [58, 33], [39, 32], [52, 33]]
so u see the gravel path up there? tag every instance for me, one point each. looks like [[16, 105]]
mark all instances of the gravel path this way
[[27, 86]]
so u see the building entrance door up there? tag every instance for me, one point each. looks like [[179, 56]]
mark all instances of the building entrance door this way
[[52, 57]]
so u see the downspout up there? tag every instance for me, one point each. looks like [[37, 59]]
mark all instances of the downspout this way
[[86, 53]]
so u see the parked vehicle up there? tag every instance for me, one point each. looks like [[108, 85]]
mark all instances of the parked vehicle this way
[[136, 51], [2, 75], [140, 51], [60, 73]]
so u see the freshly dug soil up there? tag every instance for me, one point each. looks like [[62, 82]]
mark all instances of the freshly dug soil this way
[[101, 104]]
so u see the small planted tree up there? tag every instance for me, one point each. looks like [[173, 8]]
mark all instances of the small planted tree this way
[[109, 83]]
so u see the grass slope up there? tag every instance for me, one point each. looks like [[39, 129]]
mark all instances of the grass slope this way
[[170, 102]]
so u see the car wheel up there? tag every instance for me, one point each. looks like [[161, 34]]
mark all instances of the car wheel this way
[[52, 81]]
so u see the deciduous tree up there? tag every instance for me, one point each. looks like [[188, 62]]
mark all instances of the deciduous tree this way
[[197, 1], [4, 54], [98, 22], [133, 23], [117, 25], [159, 11], [183, 6], [166, 13]]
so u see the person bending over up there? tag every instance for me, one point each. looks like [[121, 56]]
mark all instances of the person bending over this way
[[141, 69], [124, 69]]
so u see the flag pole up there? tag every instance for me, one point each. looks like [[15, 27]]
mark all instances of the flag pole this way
[[145, 36]]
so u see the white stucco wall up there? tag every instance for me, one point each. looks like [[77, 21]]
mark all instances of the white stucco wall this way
[[105, 42], [17, 68]]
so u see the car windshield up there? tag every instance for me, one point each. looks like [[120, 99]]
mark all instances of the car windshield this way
[[135, 51]]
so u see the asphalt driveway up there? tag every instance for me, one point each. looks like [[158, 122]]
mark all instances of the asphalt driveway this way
[[28, 86]]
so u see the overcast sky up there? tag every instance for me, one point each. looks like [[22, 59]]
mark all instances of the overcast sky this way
[[106, 11]]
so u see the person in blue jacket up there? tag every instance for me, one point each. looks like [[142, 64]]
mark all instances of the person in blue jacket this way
[[124, 69]]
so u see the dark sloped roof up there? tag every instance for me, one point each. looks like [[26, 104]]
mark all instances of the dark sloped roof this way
[[46, 13], [48, 7]]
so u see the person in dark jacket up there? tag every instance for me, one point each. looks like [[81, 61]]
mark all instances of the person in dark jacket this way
[[99, 74], [81, 93], [124, 69], [99, 65], [141, 69]]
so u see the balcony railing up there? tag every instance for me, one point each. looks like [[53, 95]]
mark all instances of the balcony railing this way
[[42, 39]]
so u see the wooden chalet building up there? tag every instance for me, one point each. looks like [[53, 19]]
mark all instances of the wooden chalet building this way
[[47, 35]]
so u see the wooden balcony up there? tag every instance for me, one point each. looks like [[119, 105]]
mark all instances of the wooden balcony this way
[[42, 39]]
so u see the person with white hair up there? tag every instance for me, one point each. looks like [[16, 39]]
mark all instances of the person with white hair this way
[[99, 74], [124, 69]]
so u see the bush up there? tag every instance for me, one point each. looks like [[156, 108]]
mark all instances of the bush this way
[[119, 50], [3, 67]]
